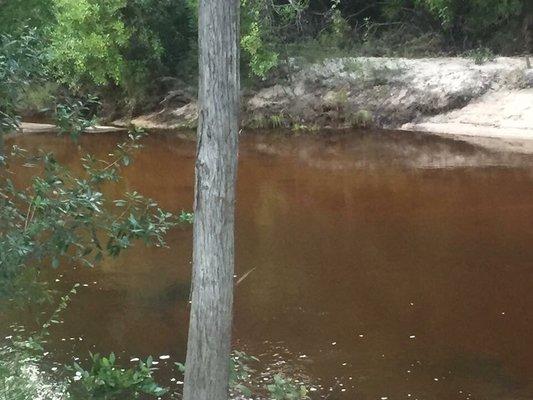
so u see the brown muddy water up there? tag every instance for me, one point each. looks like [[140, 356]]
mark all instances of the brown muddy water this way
[[386, 265]]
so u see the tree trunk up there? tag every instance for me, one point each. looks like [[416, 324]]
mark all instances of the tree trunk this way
[[527, 31], [209, 342]]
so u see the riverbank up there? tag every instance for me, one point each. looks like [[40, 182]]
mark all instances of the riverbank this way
[[33, 127], [452, 96], [490, 104]]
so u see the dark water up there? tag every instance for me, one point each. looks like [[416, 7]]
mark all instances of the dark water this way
[[387, 265]]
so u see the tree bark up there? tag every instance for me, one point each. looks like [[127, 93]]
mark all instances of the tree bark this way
[[527, 30], [209, 342]]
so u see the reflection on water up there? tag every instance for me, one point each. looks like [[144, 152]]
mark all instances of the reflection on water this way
[[389, 265]]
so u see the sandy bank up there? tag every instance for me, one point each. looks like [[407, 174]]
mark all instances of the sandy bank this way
[[32, 127]]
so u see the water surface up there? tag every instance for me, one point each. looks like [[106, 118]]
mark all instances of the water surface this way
[[387, 265]]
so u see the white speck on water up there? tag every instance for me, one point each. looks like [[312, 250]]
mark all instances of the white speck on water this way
[[9, 337], [436, 379], [134, 359], [77, 378], [78, 373], [344, 364], [408, 371], [164, 357], [343, 390], [384, 398], [412, 337], [361, 336], [57, 280], [303, 356], [54, 369], [333, 343], [155, 362], [313, 389], [172, 379], [503, 313], [179, 383], [85, 285], [411, 304]]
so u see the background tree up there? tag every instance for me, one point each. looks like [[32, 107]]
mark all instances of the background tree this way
[[209, 343]]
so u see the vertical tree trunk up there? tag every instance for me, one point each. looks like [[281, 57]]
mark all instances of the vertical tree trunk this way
[[209, 343], [527, 30]]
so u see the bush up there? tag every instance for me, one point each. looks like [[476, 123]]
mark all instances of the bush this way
[[21, 63], [480, 55], [107, 380]]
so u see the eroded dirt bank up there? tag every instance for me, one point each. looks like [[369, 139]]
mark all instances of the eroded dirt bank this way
[[442, 95]]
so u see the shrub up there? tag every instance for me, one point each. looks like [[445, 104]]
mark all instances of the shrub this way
[[107, 380], [480, 55]]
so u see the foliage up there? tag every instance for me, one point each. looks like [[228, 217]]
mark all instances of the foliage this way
[[361, 119], [162, 43], [186, 217], [16, 15], [23, 361], [63, 216], [283, 388], [76, 116], [20, 63], [86, 41], [476, 15], [265, 26], [38, 98], [135, 43], [21, 375], [243, 383], [277, 120], [56, 215], [480, 56], [240, 372], [107, 380], [162, 33]]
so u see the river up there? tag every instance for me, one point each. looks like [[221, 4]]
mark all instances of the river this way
[[386, 265]]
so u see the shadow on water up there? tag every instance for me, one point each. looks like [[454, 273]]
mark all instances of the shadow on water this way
[[387, 264]]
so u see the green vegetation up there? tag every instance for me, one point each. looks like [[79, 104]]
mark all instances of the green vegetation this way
[[107, 380], [130, 52], [20, 65], [245, 381], [481, 55], [60, 216]]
